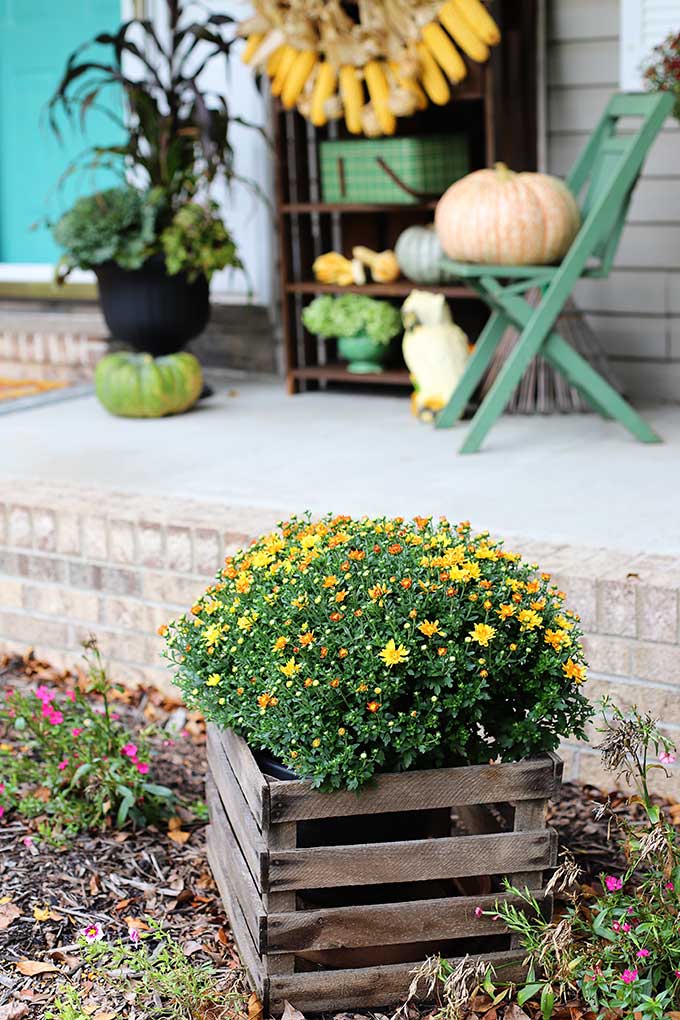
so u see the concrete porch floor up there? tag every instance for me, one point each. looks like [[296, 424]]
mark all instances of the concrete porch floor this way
[[566, 479]]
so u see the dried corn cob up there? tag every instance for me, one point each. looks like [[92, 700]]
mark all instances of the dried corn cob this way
[[274, 60], [409, 85], [303, 65], [376, 82], [251, 46], [431, 77], [444, 52], [352, 98], [324, 87], [459, 28], [285, 64], [480, 21]]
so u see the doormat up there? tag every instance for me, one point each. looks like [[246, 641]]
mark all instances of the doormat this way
[[22, 394]]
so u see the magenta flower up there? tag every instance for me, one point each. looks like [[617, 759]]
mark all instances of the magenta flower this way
[[2, 810], [55, 718], [613, 884], [71, 695], [2, 787], [130, 750], [669, 886], [479, 912], [44, 694], [642, 953], [629, 976], [27, 841], [76, 731], [667, 758], [142, 767], [92, 933], [133, 935], [62, 764]]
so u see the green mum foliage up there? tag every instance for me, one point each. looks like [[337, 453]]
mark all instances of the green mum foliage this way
[[197, 241], [115, 225], [352, 314], [347, 647]]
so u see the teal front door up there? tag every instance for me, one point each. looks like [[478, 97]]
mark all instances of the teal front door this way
[[36, 37]]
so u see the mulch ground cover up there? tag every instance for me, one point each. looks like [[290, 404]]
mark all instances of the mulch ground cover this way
[[121, 879]]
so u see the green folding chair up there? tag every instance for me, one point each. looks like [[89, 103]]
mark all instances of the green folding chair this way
[[606, 172]]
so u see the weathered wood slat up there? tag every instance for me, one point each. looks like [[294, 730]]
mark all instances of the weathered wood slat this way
[[253, 785], [411, 861], [230, 859], [386, 924], [236, 808], [366, 988], [413, 791], [249, 955]]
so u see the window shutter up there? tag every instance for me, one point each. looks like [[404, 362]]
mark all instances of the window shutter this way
[[644, 24]]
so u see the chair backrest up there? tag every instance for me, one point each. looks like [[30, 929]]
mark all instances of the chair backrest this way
[[604, 176]]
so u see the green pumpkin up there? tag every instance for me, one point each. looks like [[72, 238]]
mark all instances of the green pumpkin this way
[[139, 386], [419, 254]]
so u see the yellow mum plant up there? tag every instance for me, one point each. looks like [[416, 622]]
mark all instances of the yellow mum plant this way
[[347, 647]]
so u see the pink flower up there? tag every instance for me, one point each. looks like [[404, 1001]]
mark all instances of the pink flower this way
[[129, 749], [2, 810], [642, 953], [669, 886], [27, 841], [71, 695], [44, 694], [613, 884], [142, 767], [677, 973], [2, 787], [479, 912], [76, 731], [616, 926], [92, 933], [133, 935], [629, 976], [62, 764], [55, 718], [667, 758], [625, 926]]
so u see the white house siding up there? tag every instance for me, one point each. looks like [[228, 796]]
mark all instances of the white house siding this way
[[636, 312]]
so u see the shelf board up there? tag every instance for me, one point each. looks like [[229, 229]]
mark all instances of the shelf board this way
[[400, 288], [337, 372], [357, 207]]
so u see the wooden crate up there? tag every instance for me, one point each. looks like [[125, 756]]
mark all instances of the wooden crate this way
[[296, 944]]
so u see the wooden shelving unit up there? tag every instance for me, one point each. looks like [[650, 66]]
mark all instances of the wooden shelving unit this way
[[495, 107]]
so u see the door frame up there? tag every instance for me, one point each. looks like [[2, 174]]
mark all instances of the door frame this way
[[36, 279]]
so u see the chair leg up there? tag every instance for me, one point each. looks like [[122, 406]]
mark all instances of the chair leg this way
[[603, 396], [485, 348], [504, 386]]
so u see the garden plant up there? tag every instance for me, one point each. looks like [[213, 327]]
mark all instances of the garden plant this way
[[346, 647], [662, 73]]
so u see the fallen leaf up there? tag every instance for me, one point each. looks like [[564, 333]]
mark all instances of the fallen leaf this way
[[174, 823], [122, 904], [8, 913], [94, 885], [30, 968], [13, 1010], [178, 836], [290, 1012], [136, 923], [102, 1014], [41, 913], [191, 947], [515, 1012], [43, 794], [255, 1011]]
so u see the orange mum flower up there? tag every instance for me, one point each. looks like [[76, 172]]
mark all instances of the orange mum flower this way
[[373, 706], [266, 699], [341, 595], [335, 617], [406, 583], [343, 653], [330, 581], [307, 638], [395, 549], [357, 554]]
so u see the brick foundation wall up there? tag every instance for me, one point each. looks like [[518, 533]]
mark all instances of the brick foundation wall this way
[[118, 565], [51, 347]]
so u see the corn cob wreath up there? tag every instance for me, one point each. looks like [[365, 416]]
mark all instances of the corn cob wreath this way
[[398, 56]]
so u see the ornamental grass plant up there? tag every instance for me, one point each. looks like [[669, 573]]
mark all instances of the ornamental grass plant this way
[[346, 647]]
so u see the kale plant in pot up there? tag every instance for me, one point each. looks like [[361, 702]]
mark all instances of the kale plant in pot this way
[[363, 326], [343, 648], [155, 241]]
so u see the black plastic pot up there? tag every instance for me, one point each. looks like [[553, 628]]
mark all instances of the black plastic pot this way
[[150, 310]]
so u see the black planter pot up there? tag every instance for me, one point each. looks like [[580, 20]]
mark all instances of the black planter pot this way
[[150, 310]]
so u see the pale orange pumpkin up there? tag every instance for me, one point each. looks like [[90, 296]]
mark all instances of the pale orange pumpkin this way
[[505, 218]]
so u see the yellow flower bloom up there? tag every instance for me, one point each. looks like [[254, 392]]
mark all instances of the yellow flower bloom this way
[[393, 654], [262, 558], [573, 671], [482, 633], [378, 592], [211, 634], [429, 628], [506, 610], [330, 582], [245, 623], [280, 643], [557, 639], [213, 680], [291, 668], [529, 619], [316, 742]]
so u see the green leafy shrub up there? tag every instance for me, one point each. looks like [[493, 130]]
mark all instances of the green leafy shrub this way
[[352, 314], [197, 241], [619, 949], [117, 225], [72, 760], [346, 647]]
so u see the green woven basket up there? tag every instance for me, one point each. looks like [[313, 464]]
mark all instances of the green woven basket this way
[[392, 170]]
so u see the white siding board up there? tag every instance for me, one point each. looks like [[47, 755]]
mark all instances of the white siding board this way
[[632, 336], [577, 109], [656, 246], [577, 63], [674, 331], [652, 380], [656, 200], [632, 292], [663, 159], [673, 292], [582, 19]]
